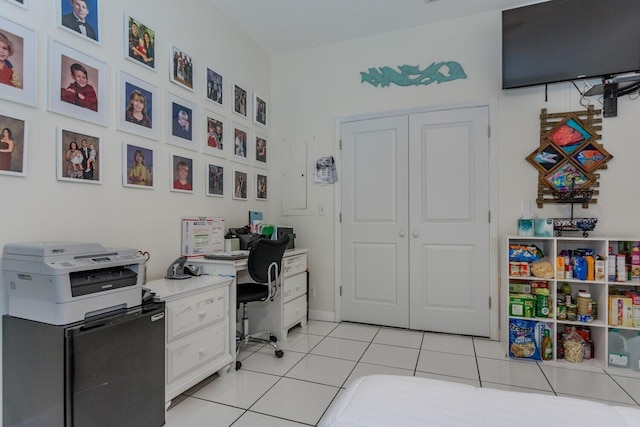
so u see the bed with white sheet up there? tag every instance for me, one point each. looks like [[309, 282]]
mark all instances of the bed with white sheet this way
[[390, 401]]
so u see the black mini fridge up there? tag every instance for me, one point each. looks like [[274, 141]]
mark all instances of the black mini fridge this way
[[106, 371]]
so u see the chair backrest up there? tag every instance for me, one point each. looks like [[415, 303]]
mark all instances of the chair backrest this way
[[264, 252]]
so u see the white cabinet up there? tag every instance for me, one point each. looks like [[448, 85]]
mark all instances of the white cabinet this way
[[600, 287], [198, 333]]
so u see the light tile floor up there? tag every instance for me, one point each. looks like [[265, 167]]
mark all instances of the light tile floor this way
[[322, 358]]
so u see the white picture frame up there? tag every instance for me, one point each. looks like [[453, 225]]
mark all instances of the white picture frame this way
[[177, 134], [132, 92], [178, 182], [141, 176], [214, 179], [67, 21], [259, 110], [23, 61], [215, 131], [214, 86], [240, 142], [240, 184], [181, 67], [240, 101], [146, 55], [14, 162], [75, 167], [61, 60]]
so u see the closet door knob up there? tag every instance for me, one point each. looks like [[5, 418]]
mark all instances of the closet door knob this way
[[416, 234], [402, 233]]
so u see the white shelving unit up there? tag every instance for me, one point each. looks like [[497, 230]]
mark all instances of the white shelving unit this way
[[599, 289]]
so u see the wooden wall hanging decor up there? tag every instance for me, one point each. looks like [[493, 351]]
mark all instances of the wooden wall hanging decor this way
[[569, 157]]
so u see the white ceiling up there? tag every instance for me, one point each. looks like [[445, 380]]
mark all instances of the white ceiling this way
[[281, 26]]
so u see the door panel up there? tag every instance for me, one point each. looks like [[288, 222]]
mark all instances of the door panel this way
[[449, 245], [375, 253]]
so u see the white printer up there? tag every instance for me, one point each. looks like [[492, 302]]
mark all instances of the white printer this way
[[63, 282]]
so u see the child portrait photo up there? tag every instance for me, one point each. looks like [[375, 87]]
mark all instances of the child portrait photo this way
[[215, 180], [78, 84], [80, 17], [17, 50], [181, 122], [137, 170], [182, 176], [13, 141], [138, 109], [215, 127]]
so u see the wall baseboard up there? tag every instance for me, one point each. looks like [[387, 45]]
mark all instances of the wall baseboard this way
[[325, 316]]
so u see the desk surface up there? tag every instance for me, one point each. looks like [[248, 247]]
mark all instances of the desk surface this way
[[241, 264], [167, 289]]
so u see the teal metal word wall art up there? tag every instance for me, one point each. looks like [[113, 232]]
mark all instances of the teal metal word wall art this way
[[411, 75]]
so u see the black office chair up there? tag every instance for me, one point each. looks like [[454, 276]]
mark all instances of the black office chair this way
[[264, 266]]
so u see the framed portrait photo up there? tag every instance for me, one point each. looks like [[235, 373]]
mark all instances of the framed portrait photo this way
[[262, 156], [240, 143], [182, 174], [259, 110], [17, 77], [13, 145], [213, 86], [261, 186], [139, 43], [239, 100], [79, 157], [139, 107], [80, 17], [21, 3], [181, 67], [137, 166], [239, 185], [214, 180], [78, 84], [215, 126], [181, 122]]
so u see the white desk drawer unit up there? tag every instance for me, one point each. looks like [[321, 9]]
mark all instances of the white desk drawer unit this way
[[294, 264], [189, 314], [199, 334], [191, 352], [294, 287]]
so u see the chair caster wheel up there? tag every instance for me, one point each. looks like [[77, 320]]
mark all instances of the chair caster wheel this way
[[238, 365], [273, 338], [279, 353]]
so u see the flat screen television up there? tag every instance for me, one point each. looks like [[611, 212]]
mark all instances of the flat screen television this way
[[563, 40]]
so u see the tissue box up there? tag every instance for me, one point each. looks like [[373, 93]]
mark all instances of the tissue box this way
[[543, 227]]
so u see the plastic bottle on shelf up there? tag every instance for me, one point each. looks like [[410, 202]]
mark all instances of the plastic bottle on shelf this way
[[547, 346], [618, 349], [634, 352]]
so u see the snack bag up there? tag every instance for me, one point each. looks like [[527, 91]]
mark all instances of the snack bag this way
[[522, 339]]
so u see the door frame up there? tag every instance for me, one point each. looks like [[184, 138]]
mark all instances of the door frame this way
[[494, 277]]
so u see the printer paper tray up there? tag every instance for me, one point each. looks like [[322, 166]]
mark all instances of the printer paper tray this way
[[89, 282]]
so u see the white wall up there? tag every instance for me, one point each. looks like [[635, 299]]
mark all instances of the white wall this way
[[39, 208], [313, 89]]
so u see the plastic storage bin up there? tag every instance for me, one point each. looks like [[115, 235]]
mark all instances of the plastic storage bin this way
[[634, 352], [618, 349]]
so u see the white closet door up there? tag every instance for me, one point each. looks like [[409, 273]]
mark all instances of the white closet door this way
[[374, 247], [449, 221]]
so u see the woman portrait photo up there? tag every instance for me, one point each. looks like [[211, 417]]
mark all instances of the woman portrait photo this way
[[261, 187], [140, 43], [12, 146], [240, 185], [139, 106]]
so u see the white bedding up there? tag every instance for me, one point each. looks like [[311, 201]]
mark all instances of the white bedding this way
[[390, 401]]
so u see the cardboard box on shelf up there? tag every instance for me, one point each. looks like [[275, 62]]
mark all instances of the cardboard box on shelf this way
[[522, 305]]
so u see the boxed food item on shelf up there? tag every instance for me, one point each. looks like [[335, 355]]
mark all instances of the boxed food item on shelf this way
[[620, 311], [522, 305], [519, 288], [635, 261], [635, 300], [600, 269], [543, 227]]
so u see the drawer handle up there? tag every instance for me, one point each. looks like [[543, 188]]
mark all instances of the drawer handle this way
[[202, 313], [202, 351]]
